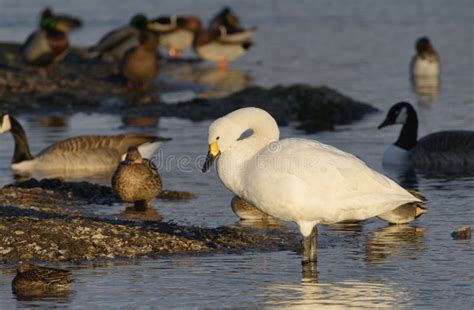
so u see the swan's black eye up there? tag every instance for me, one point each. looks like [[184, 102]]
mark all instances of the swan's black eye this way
[[217, 138]]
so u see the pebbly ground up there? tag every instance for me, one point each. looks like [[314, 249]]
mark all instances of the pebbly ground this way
[[42, 221]]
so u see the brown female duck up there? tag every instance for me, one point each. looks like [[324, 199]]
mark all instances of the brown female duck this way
[[140, 65], [32, 280], [136, 180]]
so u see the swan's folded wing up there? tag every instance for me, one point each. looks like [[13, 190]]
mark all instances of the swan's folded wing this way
[[343, 182]]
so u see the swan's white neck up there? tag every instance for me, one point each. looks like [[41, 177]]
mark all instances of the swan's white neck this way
[[243, 152]]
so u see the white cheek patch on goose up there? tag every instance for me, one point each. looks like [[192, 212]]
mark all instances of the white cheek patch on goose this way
[[6, 124], [402, 117]]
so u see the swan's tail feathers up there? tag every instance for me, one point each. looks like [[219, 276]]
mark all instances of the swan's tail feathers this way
[[407, 212], [417, 195]]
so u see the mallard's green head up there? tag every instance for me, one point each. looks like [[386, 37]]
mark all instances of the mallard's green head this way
[[139, 21], [48, 22]]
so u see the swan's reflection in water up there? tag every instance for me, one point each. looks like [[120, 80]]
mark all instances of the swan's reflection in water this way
[[426, 88], [393, 241], [348, 293]]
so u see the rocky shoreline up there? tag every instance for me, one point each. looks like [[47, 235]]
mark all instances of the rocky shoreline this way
[[42, 221], [87, 85]]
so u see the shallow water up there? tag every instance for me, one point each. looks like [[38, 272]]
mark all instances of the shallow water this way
[[362, 50]]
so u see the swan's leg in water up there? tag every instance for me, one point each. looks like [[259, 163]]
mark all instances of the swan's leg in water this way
[[309, 246]]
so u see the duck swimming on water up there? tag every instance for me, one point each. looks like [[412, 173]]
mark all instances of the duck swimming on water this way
[[444, 150], [92, 153]]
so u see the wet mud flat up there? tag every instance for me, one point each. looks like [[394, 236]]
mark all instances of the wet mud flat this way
[[79, 84], [41, 224]]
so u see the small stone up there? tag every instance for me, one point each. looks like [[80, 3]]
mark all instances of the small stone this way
[[462, 233], [19, 232], [6, 251], [98, 236]]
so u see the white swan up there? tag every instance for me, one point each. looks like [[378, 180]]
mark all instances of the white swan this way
[[297, 180]]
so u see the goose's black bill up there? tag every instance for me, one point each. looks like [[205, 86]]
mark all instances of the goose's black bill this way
[[385, 123]]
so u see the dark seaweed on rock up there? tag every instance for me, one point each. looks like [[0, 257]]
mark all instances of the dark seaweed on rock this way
[[90, 193], [316, 108], [84, 85]]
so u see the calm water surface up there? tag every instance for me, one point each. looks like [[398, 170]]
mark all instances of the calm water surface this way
[[361, 49]]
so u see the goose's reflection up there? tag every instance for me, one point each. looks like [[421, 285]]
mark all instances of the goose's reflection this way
[[98, 177], [393, 240], [140, 121], [406, 176], [426, 88], [141, 214]]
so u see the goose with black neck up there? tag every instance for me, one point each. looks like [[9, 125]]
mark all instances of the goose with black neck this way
[[449, 151], [77, 155]]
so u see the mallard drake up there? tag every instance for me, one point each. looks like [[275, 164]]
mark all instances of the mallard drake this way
[[232, 30], [297, 180], [227, 18], [140, 65], [426, 62], [113, 46], [71, 22], [177, 32], [49, 44], [217, 45], [94, 153], [136, 180], [444, 150], [32, 280], [245, 211]]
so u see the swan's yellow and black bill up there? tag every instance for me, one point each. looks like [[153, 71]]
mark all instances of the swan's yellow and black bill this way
[[212, 154]]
